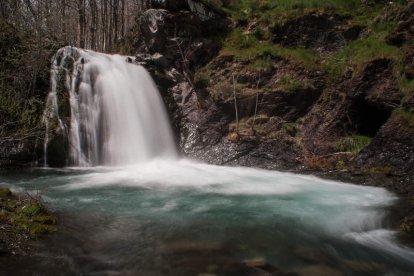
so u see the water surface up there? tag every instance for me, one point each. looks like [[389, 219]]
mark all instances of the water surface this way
[[185, 218]]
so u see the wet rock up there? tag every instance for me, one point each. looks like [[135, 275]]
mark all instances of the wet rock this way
[[19, 153], [262, 264], [204, 12], [171, 5], [361, 104], [179, 34], [156, 60], [5, 193], [198, 247], [57, 151], [393, 153], [365, 267], [312, 255], [319, 270]]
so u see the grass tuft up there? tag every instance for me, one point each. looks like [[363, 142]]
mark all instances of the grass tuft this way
[[354, 143]]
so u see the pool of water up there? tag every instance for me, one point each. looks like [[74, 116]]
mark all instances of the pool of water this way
[[186, 218]]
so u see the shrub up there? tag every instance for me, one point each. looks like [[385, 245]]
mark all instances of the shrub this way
[[354, 143]]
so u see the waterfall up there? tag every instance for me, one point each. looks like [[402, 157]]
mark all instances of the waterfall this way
[[117, 116]]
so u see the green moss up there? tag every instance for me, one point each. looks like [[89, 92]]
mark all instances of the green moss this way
[[378, 169], [270, 8], [407, 227], [5, 193], [291, 84], [354, 143], [31, 209], [26, 215], [4, 215], [406, 84], [357, 53], [263, 52], [31, 218], [405, 115], [291, 128], [45, 219], [256, 46]]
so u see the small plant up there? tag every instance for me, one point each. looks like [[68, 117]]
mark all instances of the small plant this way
[[291, 128], [291, 84], [354, 143], [25, 214], [406, 115], [407, 226]]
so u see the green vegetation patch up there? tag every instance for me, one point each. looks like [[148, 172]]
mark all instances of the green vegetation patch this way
[[406, 115], [358, 52], [25, 216], [354, 143], [246, 47], [251, 39]]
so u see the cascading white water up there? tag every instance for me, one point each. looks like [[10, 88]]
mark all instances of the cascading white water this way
[[117, 116]]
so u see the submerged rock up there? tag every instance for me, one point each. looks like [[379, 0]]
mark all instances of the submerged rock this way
[[319, 270]]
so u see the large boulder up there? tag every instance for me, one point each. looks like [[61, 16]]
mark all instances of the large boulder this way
[[392, 149], [180, 34]]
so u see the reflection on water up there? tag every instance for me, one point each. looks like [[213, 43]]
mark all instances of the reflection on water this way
[[183, 218]]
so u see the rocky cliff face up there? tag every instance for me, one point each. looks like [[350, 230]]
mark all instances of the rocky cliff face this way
[[307, 95]]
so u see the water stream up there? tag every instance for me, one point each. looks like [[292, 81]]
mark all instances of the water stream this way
[[130, 206], [186, 218], [117, 116]]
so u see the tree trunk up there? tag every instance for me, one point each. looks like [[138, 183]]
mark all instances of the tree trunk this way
[[123, 18], [94, 22], [81, 14]]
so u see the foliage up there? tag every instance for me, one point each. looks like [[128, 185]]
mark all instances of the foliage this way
[[25, 215], [291, 84], [406, 84], [256, 45], [24, 76], [406, 115], [357, 53], [354, 143], [262, 53]]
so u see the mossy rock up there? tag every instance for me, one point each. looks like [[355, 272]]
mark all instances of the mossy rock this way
[[5, 193], [31, 209], [45, 219], [407, 227], [36, 229]]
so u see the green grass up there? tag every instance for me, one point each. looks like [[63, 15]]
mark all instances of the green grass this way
[[26, 215], [354, 143], [258, 48], [268, 11], [260, 53], [291, 84], [357, 53], [406, 85], [406, 115]]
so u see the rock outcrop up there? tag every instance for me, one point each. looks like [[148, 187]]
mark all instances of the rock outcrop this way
[[291, 116]]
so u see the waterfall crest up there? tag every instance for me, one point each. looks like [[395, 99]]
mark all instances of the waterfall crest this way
[[117, 116]]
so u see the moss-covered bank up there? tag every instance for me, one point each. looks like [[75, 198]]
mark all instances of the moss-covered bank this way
[[23, 219]]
